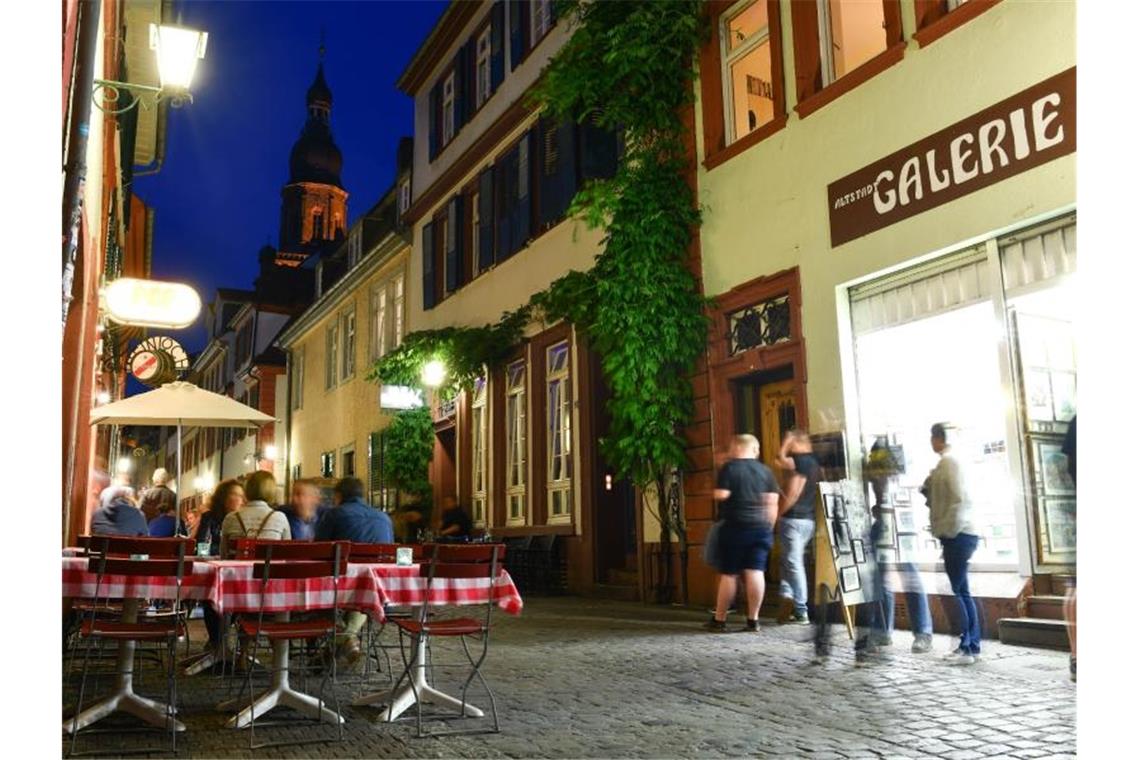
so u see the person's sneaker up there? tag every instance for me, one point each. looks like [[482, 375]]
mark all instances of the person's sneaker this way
[[752, 625], [800, 618], [923, 643], [953, 655], [881, 639], [716, 626], [965, 658]]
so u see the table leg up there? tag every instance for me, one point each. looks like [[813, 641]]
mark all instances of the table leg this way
[[406, 697], [279, 693], [124, 697]]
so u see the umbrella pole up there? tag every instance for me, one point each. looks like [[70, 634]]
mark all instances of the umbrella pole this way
[[178, 485]]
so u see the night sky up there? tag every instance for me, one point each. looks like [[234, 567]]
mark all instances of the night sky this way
[[217, 197]]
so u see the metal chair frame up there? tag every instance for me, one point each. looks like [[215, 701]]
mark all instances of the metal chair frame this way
[[102, 551]]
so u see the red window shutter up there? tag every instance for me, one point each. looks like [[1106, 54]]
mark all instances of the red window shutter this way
[[805, 38], [926, 12], [892, 15]]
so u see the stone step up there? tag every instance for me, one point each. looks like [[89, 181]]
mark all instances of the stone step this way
[[1033, 632], [617, 591], [1061, 582], [1046, 606], [618, 577]]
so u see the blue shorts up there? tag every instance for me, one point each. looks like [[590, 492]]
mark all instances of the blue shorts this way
[[743, 548]]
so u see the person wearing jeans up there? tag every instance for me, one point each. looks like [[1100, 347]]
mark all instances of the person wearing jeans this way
[[797, 520], [951, 522]]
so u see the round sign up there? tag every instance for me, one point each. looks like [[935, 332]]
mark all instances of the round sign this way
[[158, 360], [145, 365]]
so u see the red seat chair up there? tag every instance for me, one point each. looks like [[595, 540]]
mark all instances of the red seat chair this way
[[294, 560], [451, 561], [159, 557]]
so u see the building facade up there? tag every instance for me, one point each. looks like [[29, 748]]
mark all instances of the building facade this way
[[890, 239]]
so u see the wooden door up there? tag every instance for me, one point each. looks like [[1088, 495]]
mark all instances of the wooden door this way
[[777, 416]]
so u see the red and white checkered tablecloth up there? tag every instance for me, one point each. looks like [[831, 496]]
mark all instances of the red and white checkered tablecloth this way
[[403, 586], [233, 586]]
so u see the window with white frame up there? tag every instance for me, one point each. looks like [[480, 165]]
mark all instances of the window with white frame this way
[[328, 464], [540, 18], [483, 67], [398, 311], [332, 341], [405, 195], [516, 442], [354, 249], [298, 380], [479, 452], [850, 34], [475, 232], [378, 315], [348, 344], [448, 130], [746, 68], [558, 431]]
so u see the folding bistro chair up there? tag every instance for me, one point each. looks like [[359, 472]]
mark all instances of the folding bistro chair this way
[[450, 561], [382, 554], [110, 555], [286, 560]]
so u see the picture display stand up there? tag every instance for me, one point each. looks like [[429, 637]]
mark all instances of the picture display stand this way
[[844, 563]]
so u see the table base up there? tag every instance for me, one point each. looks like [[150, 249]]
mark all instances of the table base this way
[[279, 694], [407, 695]]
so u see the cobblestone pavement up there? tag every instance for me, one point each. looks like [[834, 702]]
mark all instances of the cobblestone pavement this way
[[589, 678]]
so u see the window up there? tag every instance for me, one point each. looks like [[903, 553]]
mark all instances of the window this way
[[448, 120], [296, 472], [298, 379], [483, 67], [516, 442], [387, 316], [328, 464], [331, 344], [479, 452], [348, 462], [558, 431], [377, 320], [541, 19], [377, 488], [354, 249], [851, 33], [405, 195], [348, 344], [318, 231], [398, 311], [524, 169], [747, 75], [475, 233]]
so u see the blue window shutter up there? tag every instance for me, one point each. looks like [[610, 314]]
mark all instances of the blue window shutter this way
[[459, 104], [486, 231], [453, 254], [503, 207], [497, 11], [429, 265], [557, 170], [523, 200], [433, 122], [599, 149], [518, 16]]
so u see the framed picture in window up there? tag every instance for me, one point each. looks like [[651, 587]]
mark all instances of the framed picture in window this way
[[887, 556], [857, 550], [1038, 395], [908, 547], [901, 496], [906, 521], [1061, 525], [849, 579], [1052, 467], [1064, 385]]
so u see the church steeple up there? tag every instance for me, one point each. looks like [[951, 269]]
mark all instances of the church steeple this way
[[313, 204]]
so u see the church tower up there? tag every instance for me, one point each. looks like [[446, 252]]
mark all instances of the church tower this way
[[314, 205]]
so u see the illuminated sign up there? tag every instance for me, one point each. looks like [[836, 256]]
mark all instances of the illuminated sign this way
[[400, 397], [150, 303]]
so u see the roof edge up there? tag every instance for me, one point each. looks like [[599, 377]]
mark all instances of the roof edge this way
[[457, 15]]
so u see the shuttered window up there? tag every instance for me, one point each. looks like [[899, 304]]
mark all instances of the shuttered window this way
[[1039, 254], [486, 228], [557, 175], [377, 488], [518, 20], [428, 253], [949, 283], [453, 252]]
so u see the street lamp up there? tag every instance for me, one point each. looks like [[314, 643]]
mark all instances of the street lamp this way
[[433, 373], [269, 452], [178, 49], [123, 466]]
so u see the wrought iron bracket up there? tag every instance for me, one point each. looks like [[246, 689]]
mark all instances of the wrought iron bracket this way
[[107, 94]]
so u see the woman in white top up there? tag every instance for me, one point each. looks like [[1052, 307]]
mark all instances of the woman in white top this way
[[256, 519]]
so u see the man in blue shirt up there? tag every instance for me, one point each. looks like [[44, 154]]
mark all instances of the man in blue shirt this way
[[353, 520], [303, 510], [118, 516]]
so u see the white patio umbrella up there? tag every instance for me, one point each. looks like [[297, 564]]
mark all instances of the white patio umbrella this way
[[176, 404]]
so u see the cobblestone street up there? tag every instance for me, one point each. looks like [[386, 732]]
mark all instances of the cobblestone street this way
[[589, 678]]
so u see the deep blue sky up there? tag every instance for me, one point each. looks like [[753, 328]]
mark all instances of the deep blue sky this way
[[217, 197]]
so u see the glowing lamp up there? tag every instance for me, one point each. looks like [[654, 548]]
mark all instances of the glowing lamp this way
[[178, 50], [151, 303], [433, 373]]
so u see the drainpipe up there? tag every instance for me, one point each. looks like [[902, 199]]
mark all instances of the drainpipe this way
[[75, 169], [288, 422]]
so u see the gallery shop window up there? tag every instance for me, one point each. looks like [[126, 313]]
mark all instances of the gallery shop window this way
[[516, 442], [348, 344], [851, 33], [479, 452], [448, 129], [483, 67], [332, 340], [558, 431], [746, 69], [298, 381]]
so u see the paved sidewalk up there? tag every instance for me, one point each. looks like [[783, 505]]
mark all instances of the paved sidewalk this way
[[589, 678]]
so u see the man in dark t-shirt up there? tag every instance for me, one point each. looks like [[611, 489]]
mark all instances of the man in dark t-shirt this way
[[797, 521], [748, 494]]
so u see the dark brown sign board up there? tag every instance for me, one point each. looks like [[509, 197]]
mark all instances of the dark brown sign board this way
[[1026, 130]]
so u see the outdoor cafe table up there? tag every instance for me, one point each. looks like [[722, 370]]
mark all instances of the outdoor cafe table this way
[[404, 586]]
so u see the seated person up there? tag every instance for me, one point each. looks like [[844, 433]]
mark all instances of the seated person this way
[[166, 525], [353, 520], [303, 510], [455, 523], [118, 515], [256, 519]]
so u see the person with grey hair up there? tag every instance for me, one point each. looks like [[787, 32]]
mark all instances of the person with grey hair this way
[[118, 515], [158, 499], [951, 521]]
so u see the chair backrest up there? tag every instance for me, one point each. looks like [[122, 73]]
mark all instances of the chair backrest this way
[[463, 561], [298, 560], [128, 545], [295, 550], [365, 552]]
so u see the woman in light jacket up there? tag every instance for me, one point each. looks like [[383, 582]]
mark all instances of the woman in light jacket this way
[[256, 519], [951, 520]]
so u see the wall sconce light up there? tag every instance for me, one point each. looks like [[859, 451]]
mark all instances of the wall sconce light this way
[[178, 49]]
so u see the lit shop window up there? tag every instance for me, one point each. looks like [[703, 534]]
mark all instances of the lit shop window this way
[[746, 68], [516, 442], [558, 431], [851, 33]]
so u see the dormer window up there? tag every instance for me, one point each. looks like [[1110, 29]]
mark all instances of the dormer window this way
[[405, 196], [448, 130]]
